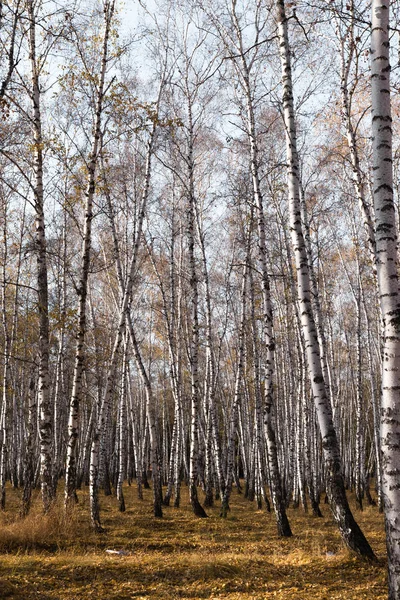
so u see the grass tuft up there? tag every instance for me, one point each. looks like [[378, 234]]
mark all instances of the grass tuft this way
[[38, 531]]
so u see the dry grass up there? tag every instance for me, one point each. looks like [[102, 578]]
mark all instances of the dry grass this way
[[51, 557]]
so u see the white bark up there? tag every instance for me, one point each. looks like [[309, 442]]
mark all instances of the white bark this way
[[73, 420], [44, 405], [350, 531], [122, 432], [387, 265]]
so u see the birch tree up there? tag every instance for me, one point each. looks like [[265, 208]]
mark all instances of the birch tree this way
[[73, 421], [44, 404], [387, 265], [349, 529]]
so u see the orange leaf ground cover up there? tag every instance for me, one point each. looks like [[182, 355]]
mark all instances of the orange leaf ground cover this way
[[239, 558]]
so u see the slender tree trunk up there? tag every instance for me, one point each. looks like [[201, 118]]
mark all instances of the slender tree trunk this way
[[59, 388], [243, 70], [123, 432], [6, 399], [29, 459], [194, 338], [44, 404], [233, 421], [125, 292], [73, 419], [150, 412]]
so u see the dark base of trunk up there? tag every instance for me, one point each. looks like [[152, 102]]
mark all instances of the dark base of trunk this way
[[246, 489], [140, 489], [250, 494], [209, 498], [98, 528], [198, 510], [95, 512], [71, 500], [177, 494], [283, 526], [304, 504], [370, 500], [224, 509], [157, 493], [26, 499], [348, 528], [121, 506], [356, 541], [316, 511], [238, 488]]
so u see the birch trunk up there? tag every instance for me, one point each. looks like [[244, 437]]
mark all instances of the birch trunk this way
[[212, 437], [29, 468], [59, 388], [233, 421], [123, 432], [347, 51], [194, 337], [244, 70], [387, 264], [73, 419], [125, 292], [44, 405], [350, 531], [6, 396], [151, 420]]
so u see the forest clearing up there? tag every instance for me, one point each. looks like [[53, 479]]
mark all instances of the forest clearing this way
[[200, 286], [179, 556]]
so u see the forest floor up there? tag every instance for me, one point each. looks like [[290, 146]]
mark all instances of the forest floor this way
[[179, 556]]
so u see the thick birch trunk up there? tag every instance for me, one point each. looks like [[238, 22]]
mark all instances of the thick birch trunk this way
[[350, 531], [387, 265]]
